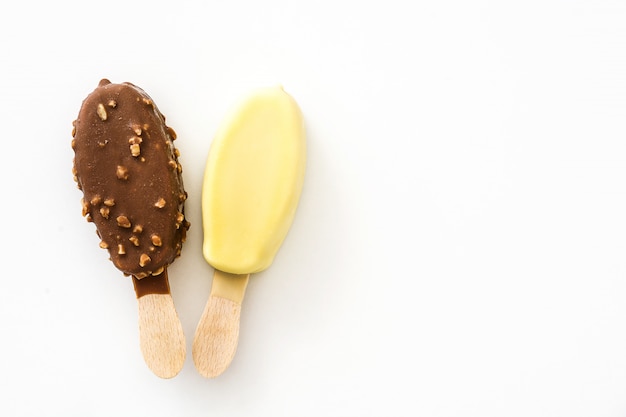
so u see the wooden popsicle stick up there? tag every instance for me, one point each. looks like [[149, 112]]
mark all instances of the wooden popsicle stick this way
[[161, 336], [217, 334]]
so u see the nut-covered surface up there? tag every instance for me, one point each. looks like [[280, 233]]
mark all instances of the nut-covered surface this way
[[127, 167]]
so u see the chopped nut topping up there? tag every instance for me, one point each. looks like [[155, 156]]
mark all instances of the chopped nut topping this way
[[135, 150], [73, 134], [122, 172], [103, 144], [102, 113], [104, 245], [182, 197], [137, 130], [120, 249], [158, 271], [135, 140], [109, 202], [85, 206], [172, 164], [156, 240], [104, 211], [144, 260], [123, 221], [147, 101], [134, 240], [138, 228], [171, 132], [177, 153], [160, 203], [96, 199], [141, 275], [112, 104], [179, 168], [179, 218]]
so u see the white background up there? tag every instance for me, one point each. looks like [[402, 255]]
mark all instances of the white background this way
[[460, 244]]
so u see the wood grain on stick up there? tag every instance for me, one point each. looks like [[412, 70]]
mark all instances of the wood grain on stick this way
[[161, 336], [217, 334]]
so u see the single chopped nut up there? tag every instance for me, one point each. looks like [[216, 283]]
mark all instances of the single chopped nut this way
[[158, 271], [137, 130], [134, 239], [144, 260], [109, 202], [104, 245], [123, 221], [172, 164], [112, 104], [179, 218], [140, 275], [156, 240], [104, 211], [138, 228], [135, 150], [171, 132], [160, 203], [85, 206], [102, 113], [147, 101], [120, 249], [95, 200], [135, 140], [122, 172]]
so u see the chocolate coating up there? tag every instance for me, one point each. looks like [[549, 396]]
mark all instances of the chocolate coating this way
[[127, 167]]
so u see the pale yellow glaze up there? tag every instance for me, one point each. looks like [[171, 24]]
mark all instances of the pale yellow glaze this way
[[252, 182], [229, 286]]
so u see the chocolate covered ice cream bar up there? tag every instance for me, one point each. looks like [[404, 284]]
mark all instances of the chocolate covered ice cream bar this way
[[127, 167]]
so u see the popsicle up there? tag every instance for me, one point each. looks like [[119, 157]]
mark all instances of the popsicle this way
[[252, 184], [127, 167]]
